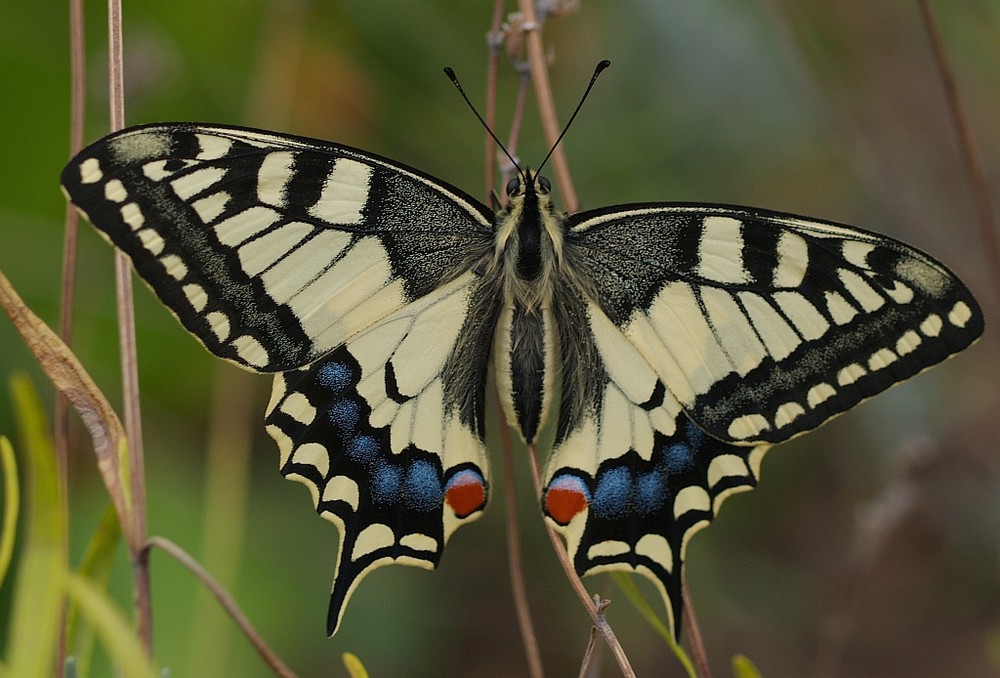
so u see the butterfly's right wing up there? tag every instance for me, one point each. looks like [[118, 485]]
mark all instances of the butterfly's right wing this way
[[273, 250], [715, 332]]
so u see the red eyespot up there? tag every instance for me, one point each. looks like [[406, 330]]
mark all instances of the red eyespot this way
[[566, 497], [465, 493]]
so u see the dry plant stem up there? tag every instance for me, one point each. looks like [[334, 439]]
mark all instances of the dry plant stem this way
[[600, 623], [517, 119], [546, 106], [130, 373], [875, 525], [227, 602], [65, 372], [494, 41], [989, 227], [529, 638], [78, 92], [694, 633], [588, 654], [514, 561]]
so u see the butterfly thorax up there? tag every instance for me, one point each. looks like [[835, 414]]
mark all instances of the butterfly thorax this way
[[528, 257], [528, 242]]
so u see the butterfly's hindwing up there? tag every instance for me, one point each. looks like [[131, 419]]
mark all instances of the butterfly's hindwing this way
[[765, 325], [631, 477], [387, 432], [273, 249], [636, 512]]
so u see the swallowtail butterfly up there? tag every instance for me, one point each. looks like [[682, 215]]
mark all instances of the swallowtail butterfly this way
[[671, 344]]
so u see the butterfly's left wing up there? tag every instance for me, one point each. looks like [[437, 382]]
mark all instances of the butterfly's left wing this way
[[349, 275], [717, 332]]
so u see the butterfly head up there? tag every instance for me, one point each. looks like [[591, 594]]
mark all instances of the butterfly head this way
[[529, 183], [529, 195]]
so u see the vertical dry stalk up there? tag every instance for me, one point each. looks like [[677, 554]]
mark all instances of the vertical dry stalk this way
[[989, 228], [495, 41], [529, 638], [78, 99], [130, 372], [546, 104], [596, 611], [694, 634]]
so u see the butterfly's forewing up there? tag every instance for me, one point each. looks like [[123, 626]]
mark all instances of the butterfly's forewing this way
[[349, 274], [272, 250], [765, 325], [719, 332]]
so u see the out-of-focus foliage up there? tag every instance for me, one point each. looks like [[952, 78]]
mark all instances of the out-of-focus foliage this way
[[871, 545]]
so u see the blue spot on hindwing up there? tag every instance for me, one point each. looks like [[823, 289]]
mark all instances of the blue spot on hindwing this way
[[386, 483], [696, 437], [335, 376], [363, 449], [612, 498], [422, 490], [344, 414], [650, 492], [678, 458]]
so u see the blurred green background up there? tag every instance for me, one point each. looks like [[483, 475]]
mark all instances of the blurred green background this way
[[871, 548]]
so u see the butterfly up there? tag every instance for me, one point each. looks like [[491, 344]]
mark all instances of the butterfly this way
[[667, 345]]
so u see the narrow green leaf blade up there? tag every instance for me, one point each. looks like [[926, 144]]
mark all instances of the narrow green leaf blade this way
[[34, 627]]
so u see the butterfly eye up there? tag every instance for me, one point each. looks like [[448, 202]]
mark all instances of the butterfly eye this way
[[544, 184], [512, 186]]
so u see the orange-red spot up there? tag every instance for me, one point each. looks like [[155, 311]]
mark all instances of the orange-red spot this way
[[466, 494], [562, 504]]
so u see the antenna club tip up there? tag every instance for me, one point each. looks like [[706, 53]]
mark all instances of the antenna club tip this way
[[604, 63], [450, 72]]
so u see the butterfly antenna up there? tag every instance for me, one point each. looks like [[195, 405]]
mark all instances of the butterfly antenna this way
[[597, 71], [450, 72]]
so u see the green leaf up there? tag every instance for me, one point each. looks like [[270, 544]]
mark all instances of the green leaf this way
[[355, 669], [744, 668], [96, 566], [631, 591], [34, 620], [11, 505], [115, 631]]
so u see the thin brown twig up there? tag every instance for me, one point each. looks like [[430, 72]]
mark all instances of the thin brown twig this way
[[227, 602], [698, 653], [600, 623], [989, 228], [494, 40], [550, 125], [71, 231], [588, 654], [546, 104], [515, 562], [517, 119], [129, 360], [529, 638]]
